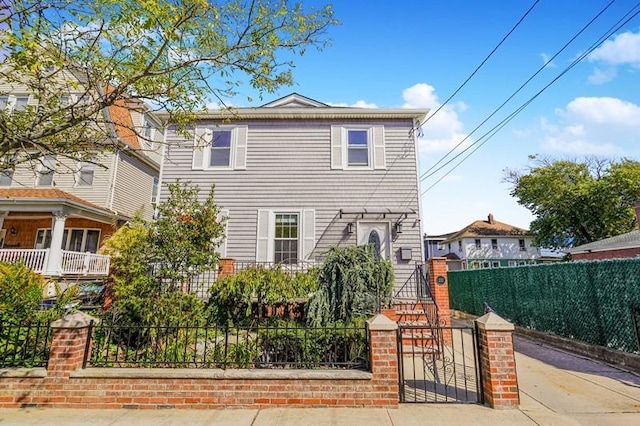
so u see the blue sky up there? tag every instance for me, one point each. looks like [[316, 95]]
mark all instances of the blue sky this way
[[416, 53]]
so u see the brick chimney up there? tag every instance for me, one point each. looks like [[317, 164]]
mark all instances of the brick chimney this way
[[491, 221]]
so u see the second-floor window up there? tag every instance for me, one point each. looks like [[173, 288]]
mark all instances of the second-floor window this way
[[494, 244], [86, 173], [357, 147], [13, 103], [460, 246], [45, 171], [154, 192], [522, 245], [220, 151], [6, 178], [478, 244]]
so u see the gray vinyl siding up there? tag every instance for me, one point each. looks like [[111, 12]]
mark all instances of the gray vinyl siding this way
[[65, 179], [288, 167], [133, 187]]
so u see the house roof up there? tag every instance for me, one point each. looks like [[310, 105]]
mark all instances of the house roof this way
[[120, 115], [485, 228], [623, 241], [298, 107], [11, 197], [294, 100]]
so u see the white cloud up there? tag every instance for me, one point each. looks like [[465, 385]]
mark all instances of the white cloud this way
[[621, 50], [600, 76], [593, 126], [545, 60], [358, 104], [442, 131]]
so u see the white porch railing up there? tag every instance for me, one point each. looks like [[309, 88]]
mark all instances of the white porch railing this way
[[35, 259], [72, 263], [76, 263]]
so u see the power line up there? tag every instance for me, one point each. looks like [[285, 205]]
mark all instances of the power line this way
[[481, 64], [430, 171], [492, 132]]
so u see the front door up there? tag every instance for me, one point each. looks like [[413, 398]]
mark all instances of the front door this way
[[376, 233]]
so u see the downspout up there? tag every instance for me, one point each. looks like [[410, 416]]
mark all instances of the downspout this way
[[164, 147], [116, 157], [418, 187]]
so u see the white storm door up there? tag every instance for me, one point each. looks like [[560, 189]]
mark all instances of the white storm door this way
[[376, 233]]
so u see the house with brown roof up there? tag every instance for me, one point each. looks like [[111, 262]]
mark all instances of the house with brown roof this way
[[56, 213], [489, 244]]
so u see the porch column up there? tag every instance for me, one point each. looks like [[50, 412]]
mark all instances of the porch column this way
[[55, 252]]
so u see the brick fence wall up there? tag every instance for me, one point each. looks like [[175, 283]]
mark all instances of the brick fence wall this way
[[64, 384]]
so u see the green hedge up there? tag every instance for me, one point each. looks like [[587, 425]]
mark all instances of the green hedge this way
[[588, 301]]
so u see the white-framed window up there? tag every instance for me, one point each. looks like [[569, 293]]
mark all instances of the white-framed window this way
[[6, 178], [478, 243], [148, 133], [522, 262], [73, 239], [513, 263], [358, 147], [475, 265], [494, 244], [45, 172], [155, 191], [523, 247], [285, 236], [495, 264], [13, 103], [86, 172], [220, 148], [486, 264]]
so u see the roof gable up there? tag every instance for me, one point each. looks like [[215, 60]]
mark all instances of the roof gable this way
[[489, 227], [294, 100]]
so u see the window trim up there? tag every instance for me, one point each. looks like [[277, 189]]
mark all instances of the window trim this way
[[298, 239], [494, 244], [478, 243], [40, 174], [522, 244], [495, 263], [68, 239], [339, 147], [369, 132], [210, 148], [265, 233]]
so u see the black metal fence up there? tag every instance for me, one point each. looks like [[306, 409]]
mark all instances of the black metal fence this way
[[200, 284], [24, 344], [280, 344], [416, 287]]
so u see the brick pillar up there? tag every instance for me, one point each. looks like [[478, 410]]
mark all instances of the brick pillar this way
[[226, 267], [383, 358], [68, 344], [497, 362], [439, 286]]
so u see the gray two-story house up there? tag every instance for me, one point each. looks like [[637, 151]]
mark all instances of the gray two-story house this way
[[55, 213], [296, 177]]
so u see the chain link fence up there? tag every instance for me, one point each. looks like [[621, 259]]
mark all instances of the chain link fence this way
[[595, 302]]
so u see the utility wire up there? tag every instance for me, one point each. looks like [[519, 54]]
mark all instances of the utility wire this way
[[464, 83], [430, 171], [492, 132]]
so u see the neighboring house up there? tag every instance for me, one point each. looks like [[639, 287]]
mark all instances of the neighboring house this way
[[56, 213], [490, 244], [296, 177], [620, 246], [433, 246]]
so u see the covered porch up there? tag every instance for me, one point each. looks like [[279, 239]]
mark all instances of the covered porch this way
[[54, 233]]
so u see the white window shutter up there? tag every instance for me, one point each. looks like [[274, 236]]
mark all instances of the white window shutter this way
[[337, 151], [264, 236], [203, 137], [379, 154], [11, 102], [308, 234], [240, 157], [222, 248]]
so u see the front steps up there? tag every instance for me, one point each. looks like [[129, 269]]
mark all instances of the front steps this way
[[415, 318]]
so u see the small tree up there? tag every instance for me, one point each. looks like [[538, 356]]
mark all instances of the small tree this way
[[186, 236], [354, 281], [20, 292]]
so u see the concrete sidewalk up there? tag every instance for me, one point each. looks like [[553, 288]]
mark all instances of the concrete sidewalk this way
[[556, 388]]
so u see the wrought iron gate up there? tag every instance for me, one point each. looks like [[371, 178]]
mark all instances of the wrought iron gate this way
[[438, 364]]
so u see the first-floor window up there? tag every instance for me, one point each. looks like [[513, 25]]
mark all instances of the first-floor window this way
[[286, 238], [495, 264], [81, 240], [513, 263]]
